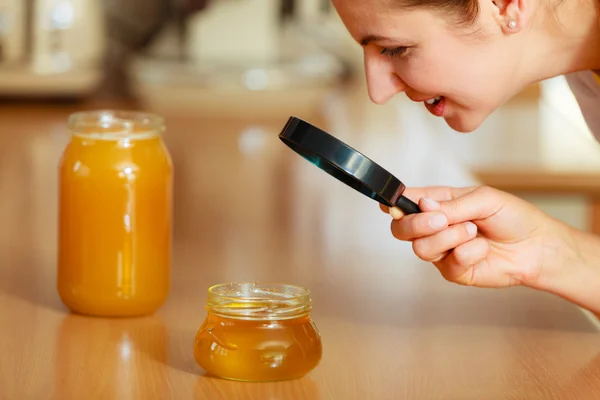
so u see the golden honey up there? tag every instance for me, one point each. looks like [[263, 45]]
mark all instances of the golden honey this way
[[258, 332], [115, 218]]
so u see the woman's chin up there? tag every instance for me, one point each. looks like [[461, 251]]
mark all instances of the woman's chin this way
[[464, 122]]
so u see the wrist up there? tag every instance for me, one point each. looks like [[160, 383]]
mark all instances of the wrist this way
[[571, 266]]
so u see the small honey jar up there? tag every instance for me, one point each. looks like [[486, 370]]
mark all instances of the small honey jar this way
[[257, 332]]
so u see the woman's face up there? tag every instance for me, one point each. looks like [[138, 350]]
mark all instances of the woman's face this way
[[468, 71]]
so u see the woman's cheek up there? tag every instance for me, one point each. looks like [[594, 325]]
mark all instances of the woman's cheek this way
[[420, 77], [421, 84]]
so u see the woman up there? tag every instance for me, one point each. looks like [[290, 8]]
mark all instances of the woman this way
[[463, 59]]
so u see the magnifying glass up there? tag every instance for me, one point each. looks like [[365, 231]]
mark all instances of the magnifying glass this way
[[346, 164]]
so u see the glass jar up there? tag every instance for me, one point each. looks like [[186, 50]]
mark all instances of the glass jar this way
[[258, 332], [115, 214]]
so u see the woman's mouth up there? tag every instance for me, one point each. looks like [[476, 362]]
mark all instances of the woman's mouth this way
[[436, 105]]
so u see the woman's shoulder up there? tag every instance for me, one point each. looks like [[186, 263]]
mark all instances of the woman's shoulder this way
[[585, 86]]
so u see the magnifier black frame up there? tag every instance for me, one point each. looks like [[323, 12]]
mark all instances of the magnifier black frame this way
[[346, 164]]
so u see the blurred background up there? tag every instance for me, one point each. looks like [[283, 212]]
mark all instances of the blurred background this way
[[226, 75], [241, 67]]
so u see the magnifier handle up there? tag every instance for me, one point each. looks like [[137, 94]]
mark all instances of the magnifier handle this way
[[407, 206]]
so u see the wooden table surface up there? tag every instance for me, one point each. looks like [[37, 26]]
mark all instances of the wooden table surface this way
[[248, 209]]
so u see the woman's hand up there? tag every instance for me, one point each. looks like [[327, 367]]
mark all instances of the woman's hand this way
[[484, 237]]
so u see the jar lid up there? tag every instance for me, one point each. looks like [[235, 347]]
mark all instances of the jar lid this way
[[259, 300], [111, 124]]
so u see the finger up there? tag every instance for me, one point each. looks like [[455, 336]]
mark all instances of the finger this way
[[435, 247], [424, 204], [414, 226], [460, 264], [384, 208], [439, 193], [396, 213], [429, 204], [480, 203], [432, 196]]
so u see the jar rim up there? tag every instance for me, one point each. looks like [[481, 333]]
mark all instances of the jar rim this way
[[115, 124], [259, 300]]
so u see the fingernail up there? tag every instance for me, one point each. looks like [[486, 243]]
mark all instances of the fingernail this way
[[437, 221], [471, 229], [431, 203], [395, 213]]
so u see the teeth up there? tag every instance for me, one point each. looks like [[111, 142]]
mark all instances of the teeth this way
[[431, 101]]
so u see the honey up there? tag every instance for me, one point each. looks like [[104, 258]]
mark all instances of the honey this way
[[115, 215], [258, 332]]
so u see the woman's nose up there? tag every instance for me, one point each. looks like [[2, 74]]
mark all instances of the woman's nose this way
[[382, 81]]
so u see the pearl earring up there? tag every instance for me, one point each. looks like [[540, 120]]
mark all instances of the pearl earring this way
[[512, 24]]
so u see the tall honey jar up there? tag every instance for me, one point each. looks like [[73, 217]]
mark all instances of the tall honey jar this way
[[115, 214]]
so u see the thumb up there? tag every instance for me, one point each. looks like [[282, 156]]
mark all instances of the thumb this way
[[429, 204], [425, 204], [480, 203]]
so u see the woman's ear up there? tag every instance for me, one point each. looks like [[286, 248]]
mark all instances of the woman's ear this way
[[511, 14]]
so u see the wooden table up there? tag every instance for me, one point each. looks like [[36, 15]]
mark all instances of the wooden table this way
[[249, 209]]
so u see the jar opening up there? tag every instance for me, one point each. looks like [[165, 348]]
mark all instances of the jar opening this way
[[115, 124], [259, 301]]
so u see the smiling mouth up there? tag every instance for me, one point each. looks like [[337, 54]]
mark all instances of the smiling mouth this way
[[434, 101], [436, 105]]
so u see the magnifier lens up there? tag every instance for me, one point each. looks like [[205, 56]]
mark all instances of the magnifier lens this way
[[346, 164]]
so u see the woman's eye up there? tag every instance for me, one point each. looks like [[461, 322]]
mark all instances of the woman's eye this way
[[398, 51]]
